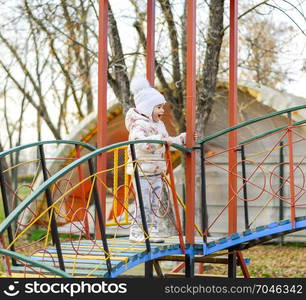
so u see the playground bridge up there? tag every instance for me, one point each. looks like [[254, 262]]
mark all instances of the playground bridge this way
[[98, 207]]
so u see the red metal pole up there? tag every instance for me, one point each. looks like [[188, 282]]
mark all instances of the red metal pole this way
[[232, 138], [243, 265], [150, 59], [174, 198], [102, 100], [232, 118], [190, 119], [291, 171]]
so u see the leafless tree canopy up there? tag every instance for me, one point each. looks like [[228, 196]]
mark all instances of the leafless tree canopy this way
[[49, 58]]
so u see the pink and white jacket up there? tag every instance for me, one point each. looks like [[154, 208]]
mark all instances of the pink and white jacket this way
[[151, 157]]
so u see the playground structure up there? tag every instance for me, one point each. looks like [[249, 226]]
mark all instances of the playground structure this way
[[32, 246], [81, 253]]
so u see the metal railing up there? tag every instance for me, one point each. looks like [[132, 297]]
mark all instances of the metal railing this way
[[78, 177], [281, 138]]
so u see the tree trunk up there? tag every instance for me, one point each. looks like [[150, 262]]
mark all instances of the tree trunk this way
[[118, 80], [207, 85]]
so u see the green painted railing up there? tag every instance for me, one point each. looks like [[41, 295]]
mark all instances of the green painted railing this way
[[35, 263], [271, 132], [249, 122], [22, 147]]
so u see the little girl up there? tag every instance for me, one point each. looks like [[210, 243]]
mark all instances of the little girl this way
[[144, 122]]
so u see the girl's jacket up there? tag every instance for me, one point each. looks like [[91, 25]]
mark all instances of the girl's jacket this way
[[151, 157]]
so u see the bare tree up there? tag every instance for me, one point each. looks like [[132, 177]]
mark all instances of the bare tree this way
[[62, 38], [265, 42]]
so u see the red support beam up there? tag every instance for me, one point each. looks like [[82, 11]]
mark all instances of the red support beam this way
[[232, 137], [291, 171], [150, 59], [190, 119], [102, 99], [175, 200], [232, 118]]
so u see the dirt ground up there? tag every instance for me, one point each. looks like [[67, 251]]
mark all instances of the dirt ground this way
[[275, 261], [266, 261]]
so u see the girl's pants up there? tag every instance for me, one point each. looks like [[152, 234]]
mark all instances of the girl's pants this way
[[151, 191]]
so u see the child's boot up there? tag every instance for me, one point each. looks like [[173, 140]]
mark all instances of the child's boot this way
[[136, 234], [155, 236]]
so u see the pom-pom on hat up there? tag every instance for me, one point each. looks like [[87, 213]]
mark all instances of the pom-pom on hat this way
[[145, 97]]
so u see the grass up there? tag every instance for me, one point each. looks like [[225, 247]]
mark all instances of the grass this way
[[23, 192], [272, 261]]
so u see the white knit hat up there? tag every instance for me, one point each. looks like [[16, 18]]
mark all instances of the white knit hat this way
[[145, 97]]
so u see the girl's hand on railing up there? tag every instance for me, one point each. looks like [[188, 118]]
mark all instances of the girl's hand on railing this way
[[169, 141]]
